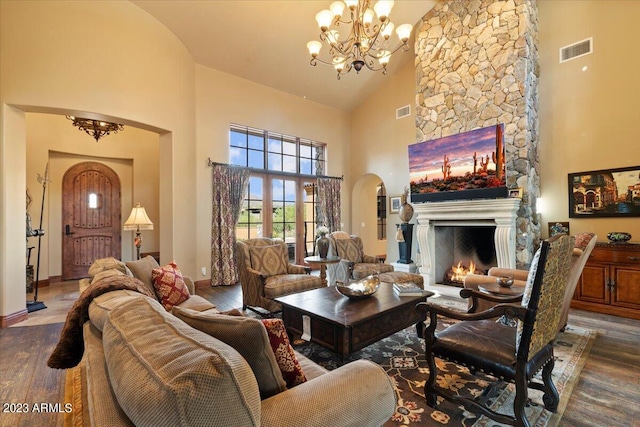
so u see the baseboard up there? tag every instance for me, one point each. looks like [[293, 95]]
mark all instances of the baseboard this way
[[42, 283], [13, 318], [199, 284], [55, 279]]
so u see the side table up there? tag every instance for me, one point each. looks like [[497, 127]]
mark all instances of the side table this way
[[495, 289], [322, 262]]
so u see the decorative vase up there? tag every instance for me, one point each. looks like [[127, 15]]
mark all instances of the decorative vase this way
[[323, 246], [406, 210], [618, 237]]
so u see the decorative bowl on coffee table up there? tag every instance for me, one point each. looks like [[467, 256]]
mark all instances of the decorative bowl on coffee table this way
[[358, 289], [505, 282]]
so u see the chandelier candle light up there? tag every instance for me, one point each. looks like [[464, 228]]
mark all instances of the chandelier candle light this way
[[96, 128], [366, 43], [138, 220]]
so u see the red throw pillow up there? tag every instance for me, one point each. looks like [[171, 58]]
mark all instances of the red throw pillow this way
[[169, 285], [286, 358]]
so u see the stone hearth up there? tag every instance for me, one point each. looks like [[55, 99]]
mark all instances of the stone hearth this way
[[498, 213]]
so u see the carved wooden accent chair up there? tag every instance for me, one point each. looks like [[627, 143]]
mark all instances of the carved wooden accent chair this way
[[265, 273], [584, 244], [510, 353]]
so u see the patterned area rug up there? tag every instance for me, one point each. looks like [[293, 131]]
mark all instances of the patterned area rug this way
[[402, 356]]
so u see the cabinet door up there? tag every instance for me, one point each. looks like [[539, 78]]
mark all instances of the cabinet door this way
[[593, 284], [626, 290]]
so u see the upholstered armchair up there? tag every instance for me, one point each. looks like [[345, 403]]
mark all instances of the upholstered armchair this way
[[353, 261], [511, 353], [584, 243], [265, 273]]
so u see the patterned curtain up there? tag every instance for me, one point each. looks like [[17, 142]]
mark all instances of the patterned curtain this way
[[329, 200], [229, 187]]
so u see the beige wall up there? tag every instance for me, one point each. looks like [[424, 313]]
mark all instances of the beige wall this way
[[222, 99], [132, 154], [379, 146], [142, 75], [589, 120]]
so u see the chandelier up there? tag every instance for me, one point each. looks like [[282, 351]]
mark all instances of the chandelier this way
[[96, 128], [366, 42]]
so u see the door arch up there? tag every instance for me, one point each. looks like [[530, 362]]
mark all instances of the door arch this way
[[364, 214], [91, 217]]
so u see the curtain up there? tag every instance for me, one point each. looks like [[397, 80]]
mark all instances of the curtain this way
[[329, 200], [229, 187]]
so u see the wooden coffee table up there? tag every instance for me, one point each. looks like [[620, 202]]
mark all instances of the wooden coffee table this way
[[344, 325]]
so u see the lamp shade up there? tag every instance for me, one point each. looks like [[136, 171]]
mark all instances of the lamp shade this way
[[138, 220]]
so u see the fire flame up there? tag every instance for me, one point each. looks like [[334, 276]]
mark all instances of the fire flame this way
[[459, 272]]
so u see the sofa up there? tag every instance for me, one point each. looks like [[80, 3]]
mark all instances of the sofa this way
[[144, 365]]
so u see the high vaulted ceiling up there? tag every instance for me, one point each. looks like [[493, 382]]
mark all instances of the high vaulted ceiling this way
[[265, 41]]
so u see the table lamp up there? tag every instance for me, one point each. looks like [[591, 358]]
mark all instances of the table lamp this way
[[138, 220]]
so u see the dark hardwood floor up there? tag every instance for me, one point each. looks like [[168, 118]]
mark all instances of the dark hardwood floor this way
[[607, 394]]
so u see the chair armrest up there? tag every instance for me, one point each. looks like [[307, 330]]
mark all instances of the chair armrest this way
[[254, 272], [471, 281], [475, 295], [521, 275], [190, 285], [369, 259], [298, 269], [358, 394], [425, 308]]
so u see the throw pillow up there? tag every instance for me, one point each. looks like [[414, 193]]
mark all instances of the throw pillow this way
[[268, 260], [583, 239], [285, 356], [169, 285], [142, 269], [247, 336], [348, 249]]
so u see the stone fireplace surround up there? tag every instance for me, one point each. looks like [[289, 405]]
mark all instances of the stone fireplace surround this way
[[501, 213]]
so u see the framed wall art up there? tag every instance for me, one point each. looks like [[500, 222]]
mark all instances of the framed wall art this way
[[394, 204], [515, 192], [605, 193], [557, 227]]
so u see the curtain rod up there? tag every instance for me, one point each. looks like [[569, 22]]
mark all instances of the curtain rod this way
[[270, 172]]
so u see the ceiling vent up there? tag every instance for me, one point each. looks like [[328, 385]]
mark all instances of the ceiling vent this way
[[576, 50], [403, 112]]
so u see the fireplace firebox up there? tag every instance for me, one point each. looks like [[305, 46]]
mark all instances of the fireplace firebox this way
[[485, 220]]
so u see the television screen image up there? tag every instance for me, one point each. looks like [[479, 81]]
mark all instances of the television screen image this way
[[468, 165]]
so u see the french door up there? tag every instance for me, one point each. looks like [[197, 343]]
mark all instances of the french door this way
[[281, 207]]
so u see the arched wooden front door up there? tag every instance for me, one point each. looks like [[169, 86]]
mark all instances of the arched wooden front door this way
[[91, 218]]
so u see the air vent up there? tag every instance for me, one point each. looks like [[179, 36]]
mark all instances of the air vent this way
[[576, 50], [403, 112]]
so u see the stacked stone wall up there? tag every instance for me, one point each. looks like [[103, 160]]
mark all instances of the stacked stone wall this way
[[477, 66]]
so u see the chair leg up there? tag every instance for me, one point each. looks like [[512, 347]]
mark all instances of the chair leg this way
[[522, 395], [429, 386], [550, 397]]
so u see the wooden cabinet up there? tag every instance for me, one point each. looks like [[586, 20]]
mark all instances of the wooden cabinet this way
[[610, 281]]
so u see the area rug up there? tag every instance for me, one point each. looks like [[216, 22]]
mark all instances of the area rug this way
[[402, 356]]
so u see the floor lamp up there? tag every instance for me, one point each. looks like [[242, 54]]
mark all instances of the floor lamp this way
[[138, 220]]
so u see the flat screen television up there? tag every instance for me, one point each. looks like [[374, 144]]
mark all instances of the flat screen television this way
[[468, 165]]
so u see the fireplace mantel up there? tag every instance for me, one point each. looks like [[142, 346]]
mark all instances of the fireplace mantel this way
[[501, 213]]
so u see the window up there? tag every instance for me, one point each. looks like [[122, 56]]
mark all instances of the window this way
[[95, 201], [281, 200], [382, 212], [259, 149]]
